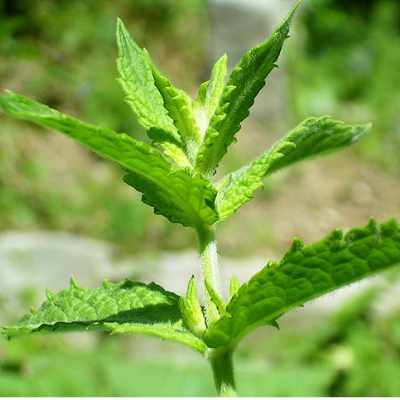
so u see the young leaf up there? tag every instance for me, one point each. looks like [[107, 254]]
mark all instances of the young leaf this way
[[217, 300], [191, 310], [179, 107], [216, 85], [142, 95], [244, 84], [116, 308], [312, 137], [189, 200], [305, 273], [202, 93], [209, 95], [234, 286]]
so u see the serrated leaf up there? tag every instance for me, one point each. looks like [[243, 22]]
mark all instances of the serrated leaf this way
[[174, 193], [311, 138], [126, 307], [187, 200], [179, 107], [305, 273], [244, 84], [136, 79]]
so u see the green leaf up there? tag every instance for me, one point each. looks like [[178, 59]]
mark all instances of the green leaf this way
[[305, 273], [234, 286], [202, 93], [126, 307], [173, 192], [244, 84], [179, 107], [312, 137], [184, 199], [136, 79], [216, 85], [209, 95], [192, 312]]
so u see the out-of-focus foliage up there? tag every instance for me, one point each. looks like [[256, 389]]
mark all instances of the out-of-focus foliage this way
[[358, 350], [347, 64], [63, 54]]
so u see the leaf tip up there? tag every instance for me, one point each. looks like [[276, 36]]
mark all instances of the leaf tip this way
[[120, 25], [360, 130], [50, 295], [191, 288], [275, 324], [336, 235], [73, 284], [297, 245]]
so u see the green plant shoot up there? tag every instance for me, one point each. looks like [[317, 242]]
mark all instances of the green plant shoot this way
[[174, 172]]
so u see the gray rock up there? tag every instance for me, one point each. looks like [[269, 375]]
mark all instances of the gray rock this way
[[236, 26]]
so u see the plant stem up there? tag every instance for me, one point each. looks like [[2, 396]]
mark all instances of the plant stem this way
[[209, 269], [222, 366], [220, 359]]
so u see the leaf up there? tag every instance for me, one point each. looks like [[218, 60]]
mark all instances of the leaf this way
[[136, 79], [209, 95], [312, 137], [244, 84], [305, 273], [234, 286], [189, 200], [192, 312], [202, 93], [179, 107], [125, 307], [216, 85]]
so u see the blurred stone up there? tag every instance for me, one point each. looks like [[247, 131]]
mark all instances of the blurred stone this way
[[47, 260], [362, 194], [236, 26]]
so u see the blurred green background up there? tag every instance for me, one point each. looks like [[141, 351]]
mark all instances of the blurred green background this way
[[343, 60]]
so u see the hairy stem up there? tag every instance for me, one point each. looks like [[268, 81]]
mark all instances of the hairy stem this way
[[220, 359], [222, 366], [209, 269]]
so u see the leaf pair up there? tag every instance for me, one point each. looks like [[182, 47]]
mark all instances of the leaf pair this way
[[305, 273]]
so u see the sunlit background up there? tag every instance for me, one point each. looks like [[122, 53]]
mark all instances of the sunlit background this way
[[64, 212]]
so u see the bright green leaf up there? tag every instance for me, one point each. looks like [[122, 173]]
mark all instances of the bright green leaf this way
[[202, 93], [173, 192], [313, 137], [136, 79], [179, 107], [185, 199], [126, 307], [210, 94], [216, 85], [244, 84], [305, 273], [192, 312]]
